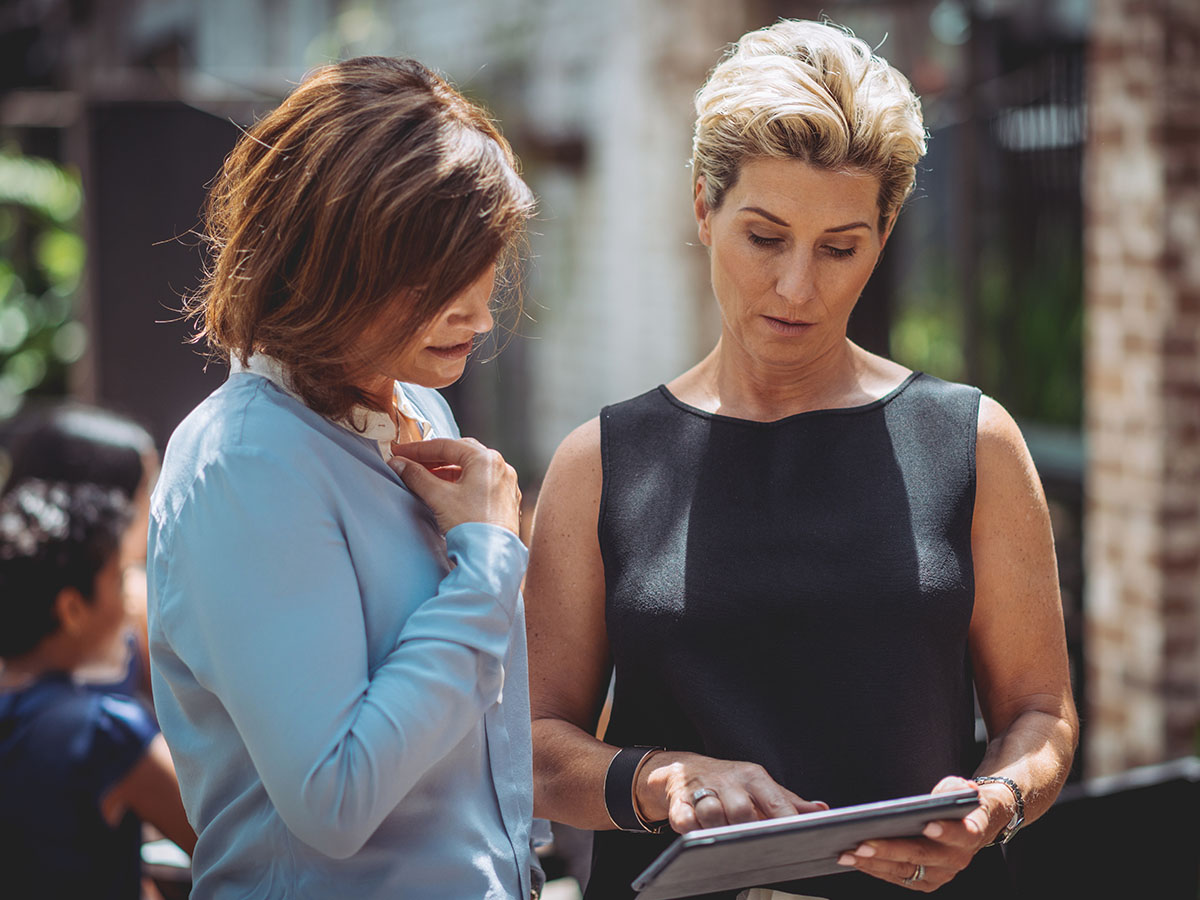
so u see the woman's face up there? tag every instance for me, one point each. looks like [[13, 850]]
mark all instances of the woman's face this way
[[437, 356], [791, 248]]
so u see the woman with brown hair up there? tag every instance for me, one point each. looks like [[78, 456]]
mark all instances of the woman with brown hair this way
[[333, 573]]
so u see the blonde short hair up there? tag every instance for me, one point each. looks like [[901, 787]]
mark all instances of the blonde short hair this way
[[813, 92]]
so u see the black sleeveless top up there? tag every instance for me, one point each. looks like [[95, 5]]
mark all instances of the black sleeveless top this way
[[797, 594]]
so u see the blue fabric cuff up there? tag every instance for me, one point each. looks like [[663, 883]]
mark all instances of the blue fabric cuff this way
[[494, 557]]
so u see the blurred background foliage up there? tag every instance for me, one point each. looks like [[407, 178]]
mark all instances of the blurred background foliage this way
[[1029, 348], [42, 257]]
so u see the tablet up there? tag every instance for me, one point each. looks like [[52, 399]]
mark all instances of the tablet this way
[[733, 857]]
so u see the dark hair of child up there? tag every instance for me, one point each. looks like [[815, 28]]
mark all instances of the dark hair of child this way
[[52, 536]]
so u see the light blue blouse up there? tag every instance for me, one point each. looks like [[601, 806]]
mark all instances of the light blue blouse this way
[[344, 691]]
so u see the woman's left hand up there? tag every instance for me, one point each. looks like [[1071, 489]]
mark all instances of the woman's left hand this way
[[944, 849]]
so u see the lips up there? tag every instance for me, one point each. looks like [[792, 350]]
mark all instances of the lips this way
[[453, 351], [787, 326]]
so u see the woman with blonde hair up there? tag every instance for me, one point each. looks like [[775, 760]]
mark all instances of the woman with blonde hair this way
[[799, 558], [333, 573]]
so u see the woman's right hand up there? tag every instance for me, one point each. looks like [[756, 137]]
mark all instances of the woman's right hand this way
[[461, 481], [731, 792]]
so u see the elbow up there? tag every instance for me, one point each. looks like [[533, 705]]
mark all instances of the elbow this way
[[1068, 723], [1071, 723], [334, 814], [328, 837], [338, 846]]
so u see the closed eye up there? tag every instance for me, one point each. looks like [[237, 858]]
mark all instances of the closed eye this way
[[764, 241], [841, 252]]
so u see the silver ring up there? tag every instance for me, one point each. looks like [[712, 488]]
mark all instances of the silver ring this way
[[916, 876], [700, 794]]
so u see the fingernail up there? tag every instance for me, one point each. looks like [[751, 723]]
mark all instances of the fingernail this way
[[397, 463], [864, 850], [934, 829], [846, 859]]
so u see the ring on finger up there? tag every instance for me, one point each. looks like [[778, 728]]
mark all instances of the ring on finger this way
[[701, 793], [916, 876]]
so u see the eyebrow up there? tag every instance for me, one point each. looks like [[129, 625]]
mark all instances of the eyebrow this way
[[766, 215], [778, 221]]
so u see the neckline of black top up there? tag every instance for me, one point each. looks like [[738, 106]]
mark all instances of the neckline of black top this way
[[837, 411]]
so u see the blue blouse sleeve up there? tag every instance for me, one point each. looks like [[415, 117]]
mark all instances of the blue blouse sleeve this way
[[262, 603], [121, 731]]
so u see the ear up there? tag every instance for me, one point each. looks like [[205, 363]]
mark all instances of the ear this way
[[887, 231], [71, 609], [883, 239], [700, 208]]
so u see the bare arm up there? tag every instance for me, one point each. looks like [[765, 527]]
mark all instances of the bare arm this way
[[569, 664], [569, 669], [1017, 643], [1019, 653], [152, 792]]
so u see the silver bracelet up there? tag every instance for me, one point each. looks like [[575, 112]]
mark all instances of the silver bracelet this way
[[1018, 819]]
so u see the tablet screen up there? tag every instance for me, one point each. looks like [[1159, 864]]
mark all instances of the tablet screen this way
[[733, 857]]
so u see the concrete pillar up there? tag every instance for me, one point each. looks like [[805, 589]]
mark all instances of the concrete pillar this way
[[623, 280]]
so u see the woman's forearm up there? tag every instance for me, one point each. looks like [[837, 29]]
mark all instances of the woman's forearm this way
[[1035, 751], [569, 766]]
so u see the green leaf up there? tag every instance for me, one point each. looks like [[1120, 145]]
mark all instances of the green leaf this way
[[40, 184], [60, 255]]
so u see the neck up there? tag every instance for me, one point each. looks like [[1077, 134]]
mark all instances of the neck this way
[[741, 386], [382, 391], [51, 655]]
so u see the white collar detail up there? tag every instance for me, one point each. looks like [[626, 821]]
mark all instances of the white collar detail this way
[[369, 423]]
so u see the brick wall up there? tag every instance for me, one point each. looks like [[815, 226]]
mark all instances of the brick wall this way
[[1142, 283]]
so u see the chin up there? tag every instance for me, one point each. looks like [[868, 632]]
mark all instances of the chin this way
[[438, 379]]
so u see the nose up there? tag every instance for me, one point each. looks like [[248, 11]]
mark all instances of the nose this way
[[796, 281], [479, 314], [473, 309]]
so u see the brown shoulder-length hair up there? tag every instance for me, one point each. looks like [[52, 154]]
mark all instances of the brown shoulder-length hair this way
[[374, 192]]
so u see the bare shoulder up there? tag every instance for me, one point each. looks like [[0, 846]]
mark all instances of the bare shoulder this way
[[575, 474], [1002, 459], [998, 431], [1010, 504], [568, 503], [580, 448]]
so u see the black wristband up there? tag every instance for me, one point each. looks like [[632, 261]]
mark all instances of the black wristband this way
[[619, 786]]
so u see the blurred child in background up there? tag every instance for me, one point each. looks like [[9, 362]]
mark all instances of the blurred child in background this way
[[75, 443], [79, 767]]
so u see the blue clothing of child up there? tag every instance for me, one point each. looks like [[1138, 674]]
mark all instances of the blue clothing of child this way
[[344, 691], [62, 748]]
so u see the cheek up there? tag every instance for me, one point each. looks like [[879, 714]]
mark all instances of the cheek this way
[[436, 334], [111, 612], [739, 274], [856, 277]]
